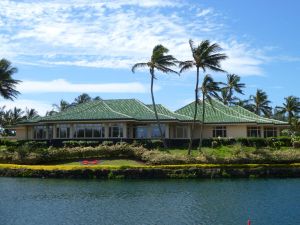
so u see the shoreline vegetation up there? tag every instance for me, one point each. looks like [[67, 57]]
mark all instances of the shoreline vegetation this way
[[153, 172], [135, 161]]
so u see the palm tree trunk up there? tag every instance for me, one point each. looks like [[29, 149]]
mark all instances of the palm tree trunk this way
[[202, 124], [155, 111], [195, 114]]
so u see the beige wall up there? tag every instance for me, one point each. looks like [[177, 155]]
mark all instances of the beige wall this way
[[233, 131], [21, 133]]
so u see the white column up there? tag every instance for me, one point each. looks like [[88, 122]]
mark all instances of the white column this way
[[124, 130], [106, 130], [167, 132]]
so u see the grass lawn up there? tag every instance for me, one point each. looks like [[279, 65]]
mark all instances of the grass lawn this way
[[223, 151], [110, 162]]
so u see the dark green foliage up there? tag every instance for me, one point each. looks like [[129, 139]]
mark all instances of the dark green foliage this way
[[149, 144], [108, 143], [253, 142], [72, 144], [296, 144]]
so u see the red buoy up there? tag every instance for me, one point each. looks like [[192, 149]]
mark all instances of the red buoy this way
[[249, 222]]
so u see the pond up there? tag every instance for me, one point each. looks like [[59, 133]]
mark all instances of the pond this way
[[29, 201]]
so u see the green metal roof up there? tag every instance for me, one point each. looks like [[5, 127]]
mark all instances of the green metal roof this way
[[135, 110], [217, 112], [163, 110]]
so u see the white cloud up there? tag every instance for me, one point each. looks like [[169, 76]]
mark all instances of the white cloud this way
[[112, 34], [41, 107], [204, 12], [63, 86]]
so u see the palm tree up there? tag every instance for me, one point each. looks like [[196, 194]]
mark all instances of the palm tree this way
[[205, 56], [13, 116], [63, 105], [232, 85], [223, 96], [30, 113], [7, 83], [291, 107], [260, 103], [82, 98], [209, 89], [162, 62]]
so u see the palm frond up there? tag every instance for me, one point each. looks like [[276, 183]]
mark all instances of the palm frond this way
[[138, 65]]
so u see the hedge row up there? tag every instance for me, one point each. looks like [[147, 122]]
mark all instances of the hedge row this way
[[144, 173]]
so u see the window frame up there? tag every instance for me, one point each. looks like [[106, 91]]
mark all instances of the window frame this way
[[222, 129], [270, 129], [120, 131], [184, 132], [155, 126], [251, 129]]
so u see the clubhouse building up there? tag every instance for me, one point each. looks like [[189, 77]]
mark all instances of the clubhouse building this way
[[122, 119]]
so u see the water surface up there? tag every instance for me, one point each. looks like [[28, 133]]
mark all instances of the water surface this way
[[28, 201]]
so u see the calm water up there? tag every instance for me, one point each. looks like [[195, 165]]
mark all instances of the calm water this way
[[25, 201]]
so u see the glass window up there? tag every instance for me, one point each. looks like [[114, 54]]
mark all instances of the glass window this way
[[40, 132], [98, 131], [270, 132], [116, 131], [253, 132], [63, 131], [141, 132], [88, 131], [181, 132], [155, 130], [219, 131], [50, 132]]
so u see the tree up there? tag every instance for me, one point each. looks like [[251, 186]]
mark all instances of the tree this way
[[63, 105], [291, 107], [30, 113], [7, 83], [82, 98], [205, 56], [13, 116], [259, 103], [209, 89], [232, 85], [162, 62]]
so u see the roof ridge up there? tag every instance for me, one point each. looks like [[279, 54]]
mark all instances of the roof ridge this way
[[114, 110], [228, 114], [145, 106], [69, 110], [175, 112], [256, 116], [242, 116]]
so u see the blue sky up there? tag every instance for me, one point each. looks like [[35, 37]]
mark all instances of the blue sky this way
[[64, 48]]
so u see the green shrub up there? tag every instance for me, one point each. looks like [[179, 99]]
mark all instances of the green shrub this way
[[8, 142], [72, 144], [107, 143]]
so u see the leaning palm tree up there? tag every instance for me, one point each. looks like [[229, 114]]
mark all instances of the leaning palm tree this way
[[232, 85], [205, 56], [7, 83], [260, 103], [291, 107], [162, 62], [209, 89]]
